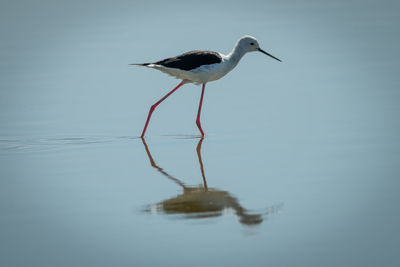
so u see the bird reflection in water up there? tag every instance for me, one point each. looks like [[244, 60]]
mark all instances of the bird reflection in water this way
[[202, 201]]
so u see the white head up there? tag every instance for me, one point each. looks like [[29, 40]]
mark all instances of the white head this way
[[250, 44]]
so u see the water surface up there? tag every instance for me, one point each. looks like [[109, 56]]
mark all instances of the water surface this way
[[299, 166]]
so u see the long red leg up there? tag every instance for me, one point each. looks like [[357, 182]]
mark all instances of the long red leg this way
[[198, 113], [153, 107]]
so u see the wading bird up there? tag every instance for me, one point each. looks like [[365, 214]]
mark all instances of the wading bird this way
[[200, 67]]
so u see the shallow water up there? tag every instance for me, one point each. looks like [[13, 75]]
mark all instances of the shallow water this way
[[299, 165]]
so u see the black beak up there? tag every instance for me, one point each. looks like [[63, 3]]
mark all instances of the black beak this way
[[262, 51]]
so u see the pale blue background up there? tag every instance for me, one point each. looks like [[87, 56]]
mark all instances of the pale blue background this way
[[318, 134]]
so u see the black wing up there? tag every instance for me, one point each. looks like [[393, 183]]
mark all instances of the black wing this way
[[191, 60]]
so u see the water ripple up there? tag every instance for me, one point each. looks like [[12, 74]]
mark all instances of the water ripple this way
[[53, 143]]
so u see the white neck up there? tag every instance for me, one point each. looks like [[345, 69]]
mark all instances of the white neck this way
[[235, 55]]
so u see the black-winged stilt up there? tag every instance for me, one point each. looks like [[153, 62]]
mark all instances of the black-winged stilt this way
[[200, 67]]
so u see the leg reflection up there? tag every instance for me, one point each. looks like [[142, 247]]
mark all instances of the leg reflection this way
[[198, 149], [201, 201], [154, 165]]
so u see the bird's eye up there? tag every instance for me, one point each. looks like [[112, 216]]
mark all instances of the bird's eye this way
[[251, 43]]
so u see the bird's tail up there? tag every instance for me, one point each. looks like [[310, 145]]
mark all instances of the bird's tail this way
[[140, 64]]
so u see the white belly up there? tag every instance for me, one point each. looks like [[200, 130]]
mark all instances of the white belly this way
[[200, 75]]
